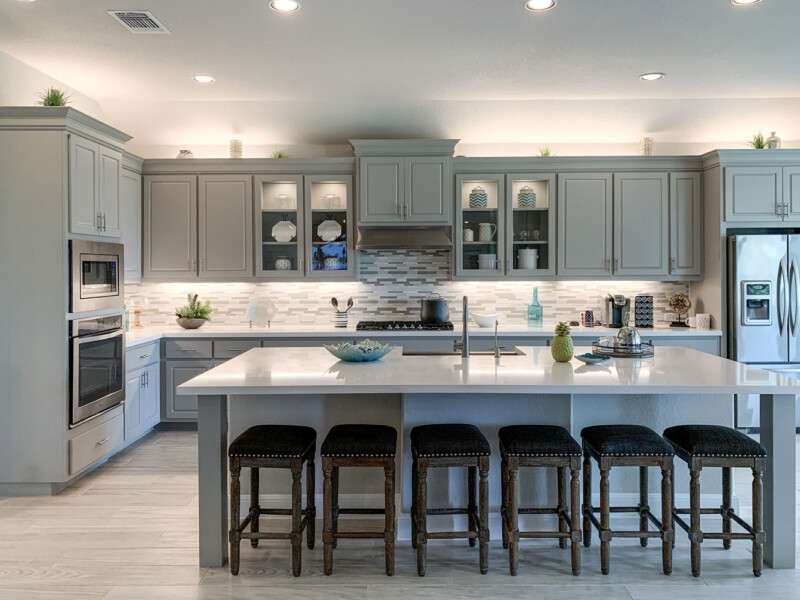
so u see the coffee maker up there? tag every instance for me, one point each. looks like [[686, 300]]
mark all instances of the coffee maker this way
[[618, 307]]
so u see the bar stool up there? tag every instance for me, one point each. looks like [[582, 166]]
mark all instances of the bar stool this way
[[716, 446], [450, 445], [357, 446], [273, 447], [627, 446], [540, 446]]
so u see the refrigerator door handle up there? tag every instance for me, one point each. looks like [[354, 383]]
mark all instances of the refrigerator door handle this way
[[781, 297], [793, 277]]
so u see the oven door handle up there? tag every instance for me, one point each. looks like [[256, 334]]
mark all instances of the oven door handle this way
[[100, 336]]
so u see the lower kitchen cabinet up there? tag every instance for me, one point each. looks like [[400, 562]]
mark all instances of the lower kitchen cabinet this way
[[182, 408], [142, 401]]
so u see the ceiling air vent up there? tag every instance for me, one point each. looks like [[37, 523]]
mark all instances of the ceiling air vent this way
[[138, 21]]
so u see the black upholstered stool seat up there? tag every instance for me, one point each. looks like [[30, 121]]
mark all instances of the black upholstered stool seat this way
[[537, 440], [712, 441], [360, 441], [274, 441], [451, 439], [625, 440]]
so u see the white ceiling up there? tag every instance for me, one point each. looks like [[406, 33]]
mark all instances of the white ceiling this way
[[488, 72]]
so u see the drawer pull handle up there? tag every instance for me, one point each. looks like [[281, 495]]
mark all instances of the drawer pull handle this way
[[146, 355], [103, 442]]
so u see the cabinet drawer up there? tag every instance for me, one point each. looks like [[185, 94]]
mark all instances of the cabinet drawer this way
[[140, 356], [189, 349], [231, 348], [96, 443]]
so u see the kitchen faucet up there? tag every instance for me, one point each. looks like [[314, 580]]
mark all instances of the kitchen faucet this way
[[463, 345]]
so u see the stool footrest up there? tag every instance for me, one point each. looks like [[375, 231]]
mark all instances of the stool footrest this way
[[545, 534], [451, 511], [538, 511], [727, 536], [636, 534], [339, 535], [703, 511], [361, 511], [450, 535], [284, 512]]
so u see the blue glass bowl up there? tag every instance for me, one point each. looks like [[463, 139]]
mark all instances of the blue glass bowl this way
[[366, 351]]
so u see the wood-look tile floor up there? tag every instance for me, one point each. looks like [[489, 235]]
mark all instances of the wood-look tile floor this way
[[127, 531]]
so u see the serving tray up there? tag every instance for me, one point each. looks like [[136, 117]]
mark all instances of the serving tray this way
[[645, 351]]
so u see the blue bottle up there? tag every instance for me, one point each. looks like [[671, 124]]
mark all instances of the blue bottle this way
[[535, 310]]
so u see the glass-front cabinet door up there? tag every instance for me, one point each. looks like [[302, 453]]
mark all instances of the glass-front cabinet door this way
[[480, 231], [530, 225], [329, 252], [279, 226]]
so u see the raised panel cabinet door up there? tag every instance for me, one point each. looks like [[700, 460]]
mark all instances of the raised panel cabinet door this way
[[225, 226], [182, 408], [84, 215], [382, 189], [791, 193], [686, 224], [754, 194], [584, 224], [134, 390], [427, 189], [169, 227], [110, 167], [130, 210], [151, 399], [641, 224]]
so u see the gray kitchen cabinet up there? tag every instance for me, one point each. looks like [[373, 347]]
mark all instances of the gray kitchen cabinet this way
[[530, 228], [134, 389], [225, 226], [791, 193], [170, 227], [382, 190], [182, 408], [585, 224], [483, 256], [686, 224], [331, 258], [130, 206], [641, 224], [94, 181], [754, 194], [427, 189], [142, 393]]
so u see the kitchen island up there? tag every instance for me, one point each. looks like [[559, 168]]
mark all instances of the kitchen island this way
[[677, 385]]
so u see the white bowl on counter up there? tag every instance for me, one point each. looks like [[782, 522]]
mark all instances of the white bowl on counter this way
[[486, 320]]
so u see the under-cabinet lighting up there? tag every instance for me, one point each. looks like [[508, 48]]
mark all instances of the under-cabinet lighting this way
[[284, 5], [651, 76], [744, 2], [540, 4], [203, 78]]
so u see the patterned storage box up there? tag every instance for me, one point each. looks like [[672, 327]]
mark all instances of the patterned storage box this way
[[643, 311], [526, 198], [478, 198]]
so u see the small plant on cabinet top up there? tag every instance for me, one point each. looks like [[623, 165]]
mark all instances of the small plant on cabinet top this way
[[758, 142], [545, 151], [53, 97], [562, 347], [279, 154], [195, 309]]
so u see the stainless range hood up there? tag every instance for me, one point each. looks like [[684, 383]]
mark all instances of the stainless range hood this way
[[413, 238]]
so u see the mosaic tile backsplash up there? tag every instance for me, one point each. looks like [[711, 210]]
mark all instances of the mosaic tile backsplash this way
[[391, 287]]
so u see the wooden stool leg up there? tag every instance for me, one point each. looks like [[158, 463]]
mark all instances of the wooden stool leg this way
[[643, 504], [672, 485], [605, 522], [255, 504], [694, 519], [575, 511], [327, 515], [297, 516], [513, 515], [235, 534], [472, 506], [587, 500], [504, 502], [562, 505], [311, 509], [758, 519], [388, 532], [335, 482], [414, 486], [726, 505], [422, 513], [483, 506], [668, 535]]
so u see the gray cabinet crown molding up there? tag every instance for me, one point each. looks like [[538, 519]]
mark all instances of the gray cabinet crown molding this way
[[56, 118], [751, 158], [250, 166], [411, 147], [582, 164], [131, 162]]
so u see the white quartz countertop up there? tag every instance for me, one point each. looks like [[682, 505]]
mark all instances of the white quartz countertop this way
[[507, 329], [673, 370]]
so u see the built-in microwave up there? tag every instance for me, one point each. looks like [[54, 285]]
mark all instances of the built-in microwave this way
[[96, 276]]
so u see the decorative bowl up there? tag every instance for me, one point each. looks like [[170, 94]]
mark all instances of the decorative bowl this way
[[591, 359], [190, 323], [486, 320], [365, 351]]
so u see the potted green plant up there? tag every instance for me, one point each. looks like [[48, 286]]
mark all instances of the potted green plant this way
[[53, 97], [758, 142], [195, 314]]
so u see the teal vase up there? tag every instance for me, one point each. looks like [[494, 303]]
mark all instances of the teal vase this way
[[535, 310]]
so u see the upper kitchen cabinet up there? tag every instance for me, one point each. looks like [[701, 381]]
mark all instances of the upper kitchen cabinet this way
[[94, 182], [530, 225], [641, 224], [685, 224], [404, 181], [225, 227], [585, 224], [480, 226], [791, 192], [170, 227], [754, 194], [130, 207], [279, 226]]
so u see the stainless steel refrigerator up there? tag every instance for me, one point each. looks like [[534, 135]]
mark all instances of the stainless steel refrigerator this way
[[763, 310]]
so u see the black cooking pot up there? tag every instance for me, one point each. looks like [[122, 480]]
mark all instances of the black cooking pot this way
[[434, 310]]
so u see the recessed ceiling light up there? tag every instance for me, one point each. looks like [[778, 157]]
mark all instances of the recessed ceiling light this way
[[540, 4], [203, 78], [744, 2], [651, 76], [284, 5]]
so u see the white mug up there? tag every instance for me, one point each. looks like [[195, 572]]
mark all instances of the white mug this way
[[469, 235], [691, 321], [487, 261], [703, 320], [486, 231]]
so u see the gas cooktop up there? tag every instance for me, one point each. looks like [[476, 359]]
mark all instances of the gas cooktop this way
[[403, 326]]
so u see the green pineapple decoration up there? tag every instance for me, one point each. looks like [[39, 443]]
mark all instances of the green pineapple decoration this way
[[562, 347]]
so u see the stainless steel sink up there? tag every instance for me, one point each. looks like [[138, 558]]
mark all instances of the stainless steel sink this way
[[515, 352]]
